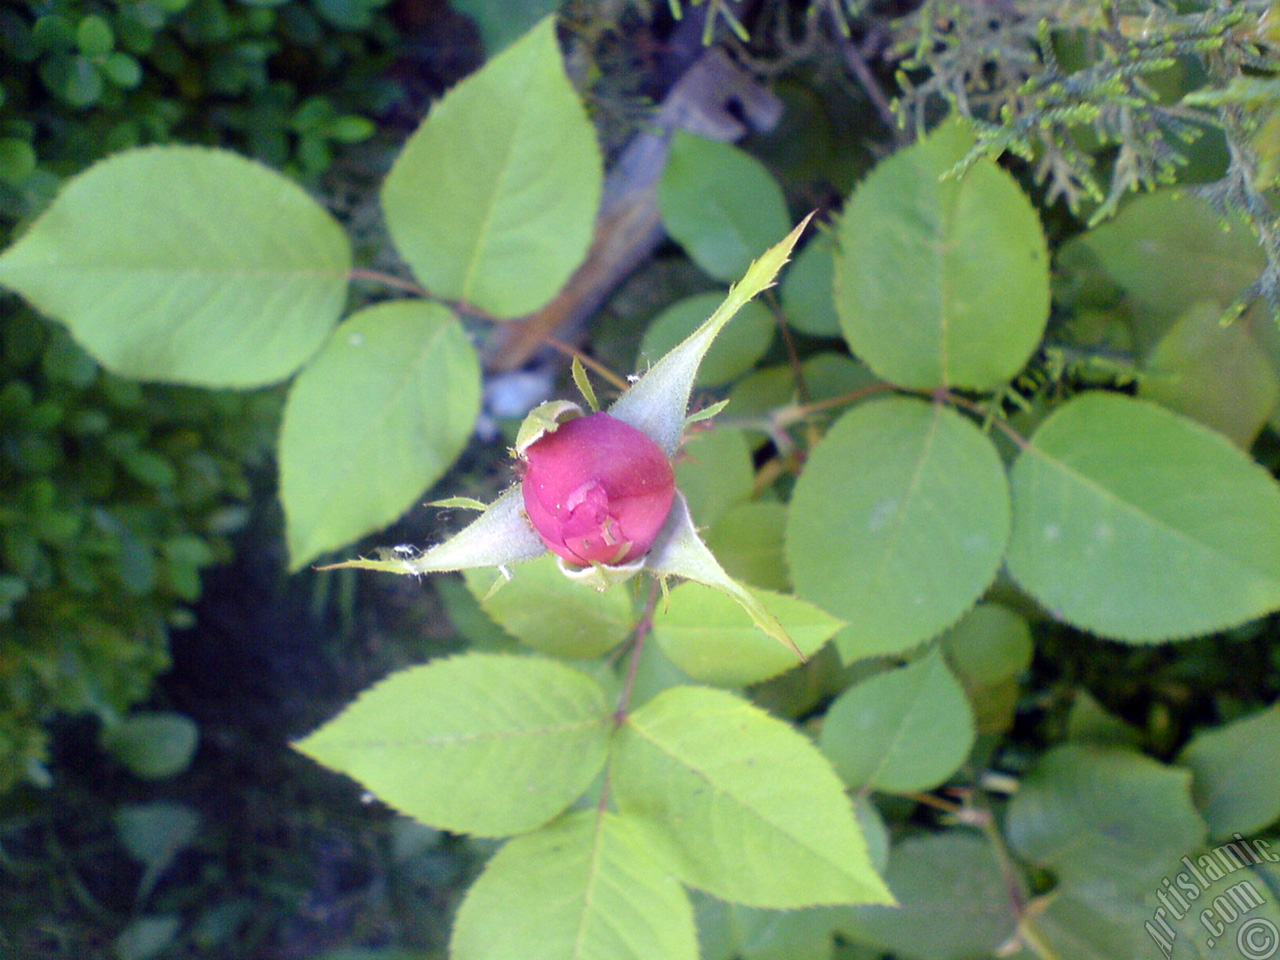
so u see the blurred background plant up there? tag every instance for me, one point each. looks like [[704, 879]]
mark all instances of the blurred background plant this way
[[114, 494]]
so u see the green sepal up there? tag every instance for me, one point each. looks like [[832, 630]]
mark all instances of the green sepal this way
[[656, 405], [499, 536], [542, 419], [680, 552]]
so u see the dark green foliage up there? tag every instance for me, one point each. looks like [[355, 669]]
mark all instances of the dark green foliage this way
[[113, 497], [280, 81]]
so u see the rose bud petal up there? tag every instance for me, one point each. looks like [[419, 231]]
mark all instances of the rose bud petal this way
[[597, 490]]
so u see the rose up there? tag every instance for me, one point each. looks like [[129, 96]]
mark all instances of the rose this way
[[597, 490]]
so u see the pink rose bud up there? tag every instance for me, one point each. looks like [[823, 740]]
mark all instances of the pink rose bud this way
[[597, 490]]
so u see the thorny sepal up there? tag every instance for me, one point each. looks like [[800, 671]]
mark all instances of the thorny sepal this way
[[499, 536], [659, 400], [680, 552]]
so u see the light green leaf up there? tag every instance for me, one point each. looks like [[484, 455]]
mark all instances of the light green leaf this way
[[586, 887], [747, 540], [1236, 773], [714, 471], [1086, 811], [744, 805], [955, 904], [551, 613], [469, 621], [989, 644], [654, 673], [734, 352], [376, 418], [485, 744], [1140, 525], [493, 200], [680, 552], [720, 204], [1213, 373], [904, 731], [186, 265], [152, 744], [807, 291], [711, 638], [941, 281], [658, 402], [898, 522]]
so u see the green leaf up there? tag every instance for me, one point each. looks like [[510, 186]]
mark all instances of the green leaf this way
[[493, 200], [874, 830], [94, 36], [153, 745], [586, 887], [989, 649], [1140, 525], [658, 402], [154, 834], [17, 159], [1236, 773], [186, 265], [1229, 911], [1090, 722], [714, 471], [712, 639], [501, 22], [728, 931], [941, 281], [1093, 811], [904, 731], [373, 421], [735, 351], [744, 805], [1213, 373], [146, 937], [720, 204], [898, 522], [807, 291], [955, 905], [1170, 250], [485, 744], [747, 540], [1091, 922], [558, 616], [989, 644]]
